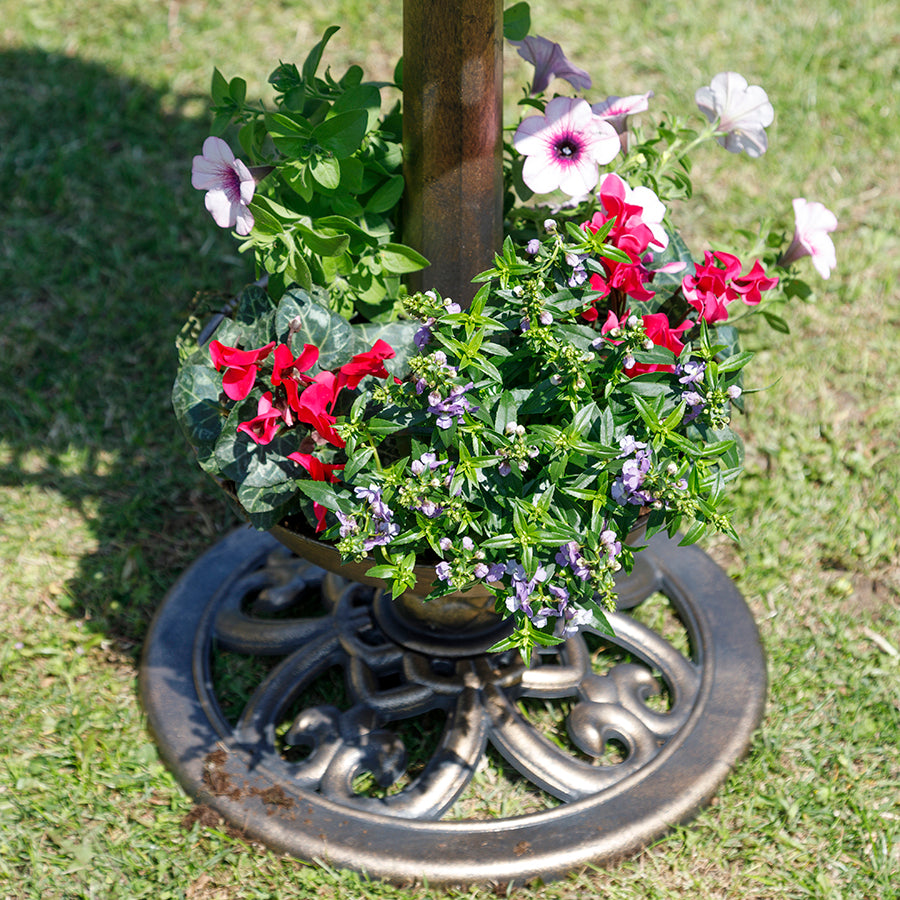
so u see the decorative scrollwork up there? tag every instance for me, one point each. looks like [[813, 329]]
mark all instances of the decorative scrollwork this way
[[479, 696]]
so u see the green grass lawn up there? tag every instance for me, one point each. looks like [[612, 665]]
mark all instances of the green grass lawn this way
[[104, 245]]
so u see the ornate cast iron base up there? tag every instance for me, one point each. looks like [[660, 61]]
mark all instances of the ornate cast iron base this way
[[284, 698]]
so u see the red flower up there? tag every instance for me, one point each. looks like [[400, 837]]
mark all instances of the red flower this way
[[240, 366], [718, 282], [318, 471], [314, 407], [663, 335], [750, 285], [288, 371], [631, 234], [262, 428], [369, 363]]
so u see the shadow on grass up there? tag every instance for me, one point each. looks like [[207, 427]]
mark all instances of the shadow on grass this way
[[104, 245]]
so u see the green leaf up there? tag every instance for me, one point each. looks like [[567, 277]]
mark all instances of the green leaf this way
[[676, 251], [342, 134], [297, 271], [694, 533], [400, 259], [364, 97], [311, 64], [317, 325], [673, 420], [220, 93], [195, 398], [583, 419], [342, 223], [266, 506], [290, 135], [506, 411], [738, 361], [516, 22], [326, 171], [237, 89], [357, 461], [498, 542], [264, 221], [776, 322], [325, 494], [352, 172], [387, 196], [323, 244]]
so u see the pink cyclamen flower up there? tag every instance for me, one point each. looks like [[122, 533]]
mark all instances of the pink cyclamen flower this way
[[228, 183], [812, 223], [565, 147], [369, 363], [550, 62], [289, 372], [264, 424], [241, 367], [743, 112]]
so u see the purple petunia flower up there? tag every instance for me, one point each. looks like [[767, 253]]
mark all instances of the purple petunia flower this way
[[743, 112], [549, 61], [616, 110], [812, 224], [564, 147], [228, 183]]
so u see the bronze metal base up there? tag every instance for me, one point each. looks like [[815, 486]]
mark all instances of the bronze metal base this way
[[294, 703]]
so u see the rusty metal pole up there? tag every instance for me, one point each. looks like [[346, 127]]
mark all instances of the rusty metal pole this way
[[452, 139]]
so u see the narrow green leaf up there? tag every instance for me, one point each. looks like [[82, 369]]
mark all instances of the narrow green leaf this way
[[311, 64]]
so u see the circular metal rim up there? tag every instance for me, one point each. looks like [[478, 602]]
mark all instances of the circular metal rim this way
[[608, 826]]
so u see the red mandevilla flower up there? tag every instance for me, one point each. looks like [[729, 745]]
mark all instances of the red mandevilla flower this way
[[241, 367], [718, 281], [750, 285]]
